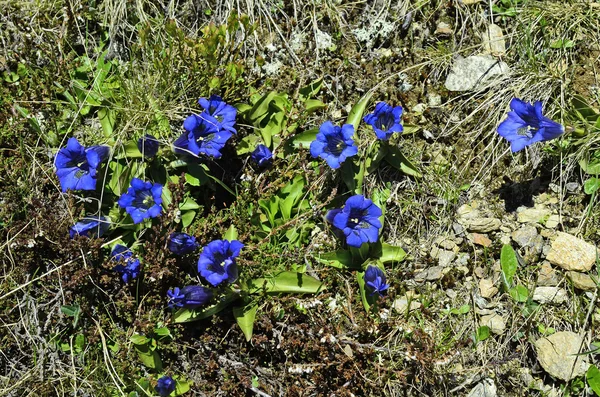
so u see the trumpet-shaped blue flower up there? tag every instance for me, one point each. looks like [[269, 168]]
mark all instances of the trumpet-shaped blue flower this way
[[76, 166], [92, 226], [148, 145], [129, 266], [142, 200], [165, 386], [526, 124], [182, 243], [358, 220], [334, 144], [217, 261], [189, 297], [375, 280], [385, 120], [224, 113], [203, 136], [262, 155]]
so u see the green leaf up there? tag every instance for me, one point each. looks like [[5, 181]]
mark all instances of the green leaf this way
[[139, 339], [483, 333], [304, 139], [562, 44], [72, 311], [196, 175], [464, 309], [244, 316], [130, 151], [338, 259], [313, 105], [189, 315], [380, 197], [591, 185], [593, 379], [309, 91], [294, 192], [182, 387], [519, 293], [391, 253], [581, 105], [397, 160], [231, 234], [108, 119], [79, 343], [358, 110], [247, 144], [366, 299], [188, 204], [353, 175], [261, 107], [508, 264], [162, 332], [148, 357], [372, 162], [286, 282], [187, 218]]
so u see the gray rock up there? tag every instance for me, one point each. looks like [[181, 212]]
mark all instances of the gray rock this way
[[434, 100], [532, 215], [458, 228], [493, 41], [557, 354], [496, 323], [484, 225], [572, 253], [553, 221], [487, 289], [572, 187], [401, 305], [475, 71], [443, 29], [547, 276], [485, 388], [581, 281], [445, 257], [430, 274], [526, 236], [550, 295]]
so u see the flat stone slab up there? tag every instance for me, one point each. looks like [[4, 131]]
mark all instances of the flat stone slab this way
[[572, 253], [557, 354], [475, 71]]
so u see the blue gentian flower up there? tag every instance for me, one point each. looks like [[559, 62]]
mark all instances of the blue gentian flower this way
[[262, 155], [142, 200], [92, 226], [189, 297], [182, 243], [166, 385], [202, 136], [385, 120], [334, 144], [224, 113], [358, 220], [375, 280], [217, 261], [526, 124], [129, 266], [148, 145], [76, 166]]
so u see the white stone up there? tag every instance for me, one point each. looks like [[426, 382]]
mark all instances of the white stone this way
[[474, 72], [557, 354], [572, 253]]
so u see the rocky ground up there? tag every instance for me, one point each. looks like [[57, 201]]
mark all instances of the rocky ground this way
[[449, 325]]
